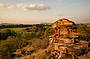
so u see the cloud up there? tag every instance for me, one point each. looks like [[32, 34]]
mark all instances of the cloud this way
[[10, 6], [6, 6], [20, 5], [38, 7], [2, 5], [25, 7]]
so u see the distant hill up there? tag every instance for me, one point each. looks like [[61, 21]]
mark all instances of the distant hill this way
[[45, 23]]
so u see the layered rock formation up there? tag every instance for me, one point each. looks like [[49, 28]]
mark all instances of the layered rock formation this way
[[66, 41]]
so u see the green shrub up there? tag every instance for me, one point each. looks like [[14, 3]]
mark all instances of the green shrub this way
[[5, 33], [10, 45], [40, 44]]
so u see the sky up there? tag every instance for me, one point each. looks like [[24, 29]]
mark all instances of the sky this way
[[44, 11]]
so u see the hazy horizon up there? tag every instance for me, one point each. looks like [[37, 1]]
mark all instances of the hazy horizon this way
[[44, 11]]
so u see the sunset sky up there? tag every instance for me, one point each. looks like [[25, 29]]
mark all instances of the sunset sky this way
[[44, 11]]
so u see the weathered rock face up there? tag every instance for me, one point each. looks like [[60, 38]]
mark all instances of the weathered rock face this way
[[64, 27], [61, 22], [66, 40]]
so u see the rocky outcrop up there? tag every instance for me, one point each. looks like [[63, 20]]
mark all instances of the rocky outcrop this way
[[66, 41], [61, 22]]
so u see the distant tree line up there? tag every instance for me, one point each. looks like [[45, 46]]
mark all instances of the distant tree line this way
[[14, 26], [20, 25]]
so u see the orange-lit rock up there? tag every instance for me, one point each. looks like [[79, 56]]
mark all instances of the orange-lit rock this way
[[66, 40]]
